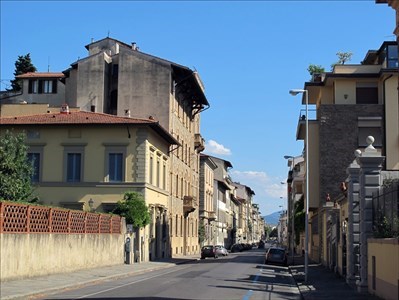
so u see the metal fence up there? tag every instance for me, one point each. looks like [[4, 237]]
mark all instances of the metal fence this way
[[386, 211], [24, 218]]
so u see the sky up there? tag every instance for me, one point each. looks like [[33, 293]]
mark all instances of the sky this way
[[249, 54]]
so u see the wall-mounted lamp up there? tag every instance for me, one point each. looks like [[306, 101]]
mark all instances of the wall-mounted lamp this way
[[346, 96]]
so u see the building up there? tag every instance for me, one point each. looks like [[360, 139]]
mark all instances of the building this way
[[207, 213], [87, 161], [116, 78], [351, 102]]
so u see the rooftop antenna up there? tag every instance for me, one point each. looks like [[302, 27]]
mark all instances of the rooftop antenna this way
[[48, 64], [108, 33]]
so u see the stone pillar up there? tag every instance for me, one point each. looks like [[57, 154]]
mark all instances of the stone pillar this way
[[370, 179], [352, 255]]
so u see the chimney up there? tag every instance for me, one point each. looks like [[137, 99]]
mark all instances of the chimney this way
[[134, 46], [127, 113], [64, 109]]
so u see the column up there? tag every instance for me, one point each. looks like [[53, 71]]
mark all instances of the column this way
[[352, 255], [370, 163]]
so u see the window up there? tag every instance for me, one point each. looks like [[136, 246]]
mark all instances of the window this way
[[74, 165], [164, 177], [392, 56], [42, 86], [34, 159], [366, 93], [151, 169], [115, 167], [158, 172], [33, 86], [73, 162], [47, 86], [369, 126], [115, 162]]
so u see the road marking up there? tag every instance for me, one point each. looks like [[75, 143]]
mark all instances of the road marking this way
[[250, 292], [126, 284]]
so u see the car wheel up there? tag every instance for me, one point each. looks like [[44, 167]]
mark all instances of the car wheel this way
[[202, 257], [265, 262]]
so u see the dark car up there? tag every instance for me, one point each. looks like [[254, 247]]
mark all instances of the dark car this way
[[236, 248], [208, 251], [276, 255]]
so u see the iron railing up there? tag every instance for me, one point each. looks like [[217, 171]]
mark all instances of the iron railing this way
[[386, 211]]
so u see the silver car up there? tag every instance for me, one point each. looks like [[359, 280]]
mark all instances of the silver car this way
[[221, 250]]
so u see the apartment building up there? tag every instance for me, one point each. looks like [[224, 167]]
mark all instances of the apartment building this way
[[118, 79], [207, 213], [87, 161], [245, 220], [351, 102]]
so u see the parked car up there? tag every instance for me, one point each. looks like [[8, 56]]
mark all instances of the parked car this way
[[276, 255], [236, 248], [208, 251], [221, 250]]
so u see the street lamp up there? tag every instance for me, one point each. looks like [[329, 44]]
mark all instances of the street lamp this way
[[292, 158], [294, 93]]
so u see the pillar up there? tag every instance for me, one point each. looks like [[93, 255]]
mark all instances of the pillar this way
[[370, 163], [353, 236]]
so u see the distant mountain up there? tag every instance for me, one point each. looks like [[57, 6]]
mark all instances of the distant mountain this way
[[272, 219]]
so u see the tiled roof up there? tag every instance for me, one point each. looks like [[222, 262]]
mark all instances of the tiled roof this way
[[80, 117], [41, 75], [85, 118]]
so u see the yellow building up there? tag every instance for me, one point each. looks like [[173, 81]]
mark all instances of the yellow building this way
[[85, 160]]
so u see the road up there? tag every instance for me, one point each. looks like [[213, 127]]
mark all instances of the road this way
[[238, 276]]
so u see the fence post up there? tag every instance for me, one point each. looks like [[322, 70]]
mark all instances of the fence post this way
[[69, 222], [99, 223], [28, 219], [50, 220], [370, 180], [1, 216]]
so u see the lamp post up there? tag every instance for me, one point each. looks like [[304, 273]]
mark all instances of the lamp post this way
[[294, 93], [292, 158]]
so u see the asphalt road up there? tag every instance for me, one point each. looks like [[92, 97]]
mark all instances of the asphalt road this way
[[238, 276]]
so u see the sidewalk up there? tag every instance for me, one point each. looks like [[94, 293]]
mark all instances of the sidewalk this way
[[34, 287], [323, 283]]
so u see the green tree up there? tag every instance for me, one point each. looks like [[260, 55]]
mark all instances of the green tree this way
[[134, 209], [343, 57], [15, 169], [314, 69], [299, 219], [22, 65]]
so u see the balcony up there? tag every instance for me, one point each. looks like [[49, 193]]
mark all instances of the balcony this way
[[199, 142], [212, 216], [301, 129], [189, 205]]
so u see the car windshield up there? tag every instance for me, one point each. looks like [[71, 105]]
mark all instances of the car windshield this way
[[276, 251]]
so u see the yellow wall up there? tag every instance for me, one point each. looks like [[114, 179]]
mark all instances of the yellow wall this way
[[342, 88], [392, 123], [386, 253], [29, 255]]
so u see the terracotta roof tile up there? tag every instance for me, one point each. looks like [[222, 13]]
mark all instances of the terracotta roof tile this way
[[41, 75], [80, 117]]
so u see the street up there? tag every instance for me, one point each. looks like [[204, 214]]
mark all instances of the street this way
[[237, 276]]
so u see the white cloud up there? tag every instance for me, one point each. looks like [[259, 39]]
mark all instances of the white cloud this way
[[212, 147], [268, 190]]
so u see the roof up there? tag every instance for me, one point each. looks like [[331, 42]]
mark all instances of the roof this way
[[41, 75], [85, 118]]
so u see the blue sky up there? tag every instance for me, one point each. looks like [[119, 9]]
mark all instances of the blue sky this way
[[249, 54]]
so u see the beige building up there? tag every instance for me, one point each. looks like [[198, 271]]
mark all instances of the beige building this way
[[351, 102], [87, 161], [116, 78], [207, 211]]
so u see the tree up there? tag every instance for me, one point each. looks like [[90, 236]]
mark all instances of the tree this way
[[15, 169], [201, 232], [22, 65], [343, 57], [299, 218], [134, 209], [315, 69]]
